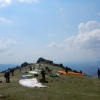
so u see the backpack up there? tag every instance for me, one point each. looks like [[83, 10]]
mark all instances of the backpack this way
[[7, 73]]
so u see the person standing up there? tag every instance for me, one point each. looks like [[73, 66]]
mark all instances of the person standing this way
[[98, 72], [12, 71], [66, 69], [30, 68], [43, 74], [20, 69], [7, 76], [47, 69]]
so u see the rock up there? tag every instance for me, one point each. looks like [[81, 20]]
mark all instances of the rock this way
[[42, 60]]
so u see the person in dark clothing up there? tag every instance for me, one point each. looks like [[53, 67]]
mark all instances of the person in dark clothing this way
[[12, 71], [80, 71], [7, 76], [47, 69], [98, 72], [43, 74], [66, 69], [20, 69], [30, 68]]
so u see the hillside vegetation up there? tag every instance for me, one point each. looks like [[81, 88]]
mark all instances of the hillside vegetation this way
[[64, 87]]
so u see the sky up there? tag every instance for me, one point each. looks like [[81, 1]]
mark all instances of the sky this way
[[57, 30]]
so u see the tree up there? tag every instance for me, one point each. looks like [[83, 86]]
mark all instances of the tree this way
[[24, 64], [61, 65], [80, 71]]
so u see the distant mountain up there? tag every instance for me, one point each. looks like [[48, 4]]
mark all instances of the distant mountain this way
[[89, 68], [6, 66]]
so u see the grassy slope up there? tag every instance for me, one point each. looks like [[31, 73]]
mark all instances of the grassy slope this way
[[65, 87]]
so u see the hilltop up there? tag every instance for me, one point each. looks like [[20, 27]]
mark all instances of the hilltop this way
[[70, 87]]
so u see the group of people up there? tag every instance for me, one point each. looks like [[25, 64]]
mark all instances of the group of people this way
[[8, 73], [45, 71], [42, 72]]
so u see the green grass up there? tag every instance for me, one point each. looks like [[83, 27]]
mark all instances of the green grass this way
[[64, 87]]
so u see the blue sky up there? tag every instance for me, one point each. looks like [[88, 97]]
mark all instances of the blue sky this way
[[58, 30]]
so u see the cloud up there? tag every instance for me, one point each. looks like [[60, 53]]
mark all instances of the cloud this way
[[82, 47], [89, 37], [66, 25], [87, 40], [4, 3], [28, 1], [9, 54], [10, 42], [5, 46], [61, 9], [5, 20], [88, 27], [99, 14], [53, 44]]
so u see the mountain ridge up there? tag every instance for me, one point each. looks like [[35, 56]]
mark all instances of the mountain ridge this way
[[87, 67]]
